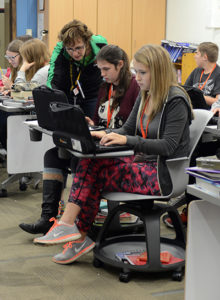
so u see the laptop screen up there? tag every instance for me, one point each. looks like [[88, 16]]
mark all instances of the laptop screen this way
[[43, 96]]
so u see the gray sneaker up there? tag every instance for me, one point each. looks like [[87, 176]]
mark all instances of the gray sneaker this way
[[59, 234], [74, 250]]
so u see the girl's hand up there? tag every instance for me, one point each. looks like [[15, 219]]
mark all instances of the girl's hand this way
[[6, 92], [26, 65], [89, 121], [216, 110], [7, 82], [98, 134], [113, 138]]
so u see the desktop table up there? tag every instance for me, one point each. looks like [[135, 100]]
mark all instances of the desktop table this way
[[34, 125], [203, 246], [23, 156]]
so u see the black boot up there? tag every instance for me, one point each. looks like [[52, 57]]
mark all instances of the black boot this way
[[52, 190]]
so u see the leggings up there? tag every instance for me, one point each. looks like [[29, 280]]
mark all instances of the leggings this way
[[93, 176]]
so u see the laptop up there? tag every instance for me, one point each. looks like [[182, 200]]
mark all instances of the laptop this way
[[197, 97], [74, 134], [43, 96]]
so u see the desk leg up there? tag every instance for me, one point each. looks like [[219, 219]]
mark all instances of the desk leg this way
[[203, 251]]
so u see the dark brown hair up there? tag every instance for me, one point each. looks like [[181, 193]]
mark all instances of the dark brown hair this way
[[113, 54]]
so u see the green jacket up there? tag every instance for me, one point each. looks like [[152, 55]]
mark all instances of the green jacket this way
[[90, 78]]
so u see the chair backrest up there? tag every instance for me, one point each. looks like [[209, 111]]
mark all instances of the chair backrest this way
[[177, 167], [197, 127]]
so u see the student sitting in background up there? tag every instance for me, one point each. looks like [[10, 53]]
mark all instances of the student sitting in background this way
[[35, 63], [157, 129], [15, 60], [206, 76], [116, 98]]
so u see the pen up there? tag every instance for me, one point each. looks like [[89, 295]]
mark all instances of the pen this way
[[1, 71]]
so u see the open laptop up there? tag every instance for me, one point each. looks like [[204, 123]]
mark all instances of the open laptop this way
[[197, 97], [43, 96], [74, 134]]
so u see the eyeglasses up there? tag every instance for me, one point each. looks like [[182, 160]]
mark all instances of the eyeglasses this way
[[77, 49], [11, 57]]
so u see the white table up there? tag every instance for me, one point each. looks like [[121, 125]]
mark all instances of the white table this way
[[23, 155], [203, 247]]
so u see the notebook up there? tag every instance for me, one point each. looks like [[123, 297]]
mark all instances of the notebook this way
[[43, 96], [75, 135]]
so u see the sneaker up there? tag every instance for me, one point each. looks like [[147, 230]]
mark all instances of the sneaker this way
[[74, 250], [58, 234], [183, 216]]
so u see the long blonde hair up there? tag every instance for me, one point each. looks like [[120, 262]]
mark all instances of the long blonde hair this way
[[34, 50], [162, 73]]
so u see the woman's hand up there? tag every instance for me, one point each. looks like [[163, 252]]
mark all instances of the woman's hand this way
[[98, 134], [216, 110], [26, 66], [7, 82], [113, 138], [89, 121]]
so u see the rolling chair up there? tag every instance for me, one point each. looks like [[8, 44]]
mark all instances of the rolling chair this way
[[107, 245]]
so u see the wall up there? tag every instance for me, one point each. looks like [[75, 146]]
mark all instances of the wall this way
[[190, 20]]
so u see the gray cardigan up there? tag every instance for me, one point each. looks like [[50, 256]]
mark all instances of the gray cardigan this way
[[40, 77], [172, 134]]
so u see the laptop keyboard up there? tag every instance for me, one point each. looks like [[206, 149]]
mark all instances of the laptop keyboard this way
[[112, 148]]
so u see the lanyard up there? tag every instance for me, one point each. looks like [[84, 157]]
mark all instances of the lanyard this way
[[144, 134], [201, 87], [78, 76], [110, 111], [71, 78]]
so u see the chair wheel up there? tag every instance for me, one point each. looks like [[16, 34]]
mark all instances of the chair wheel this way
[[22, 186], [3, 193], [177, 276], [97, 263], [124, 276]]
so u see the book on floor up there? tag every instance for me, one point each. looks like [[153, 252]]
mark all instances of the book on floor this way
[[140, 259]]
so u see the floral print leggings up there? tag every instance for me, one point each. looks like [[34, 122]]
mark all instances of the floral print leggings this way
[[93, 176]]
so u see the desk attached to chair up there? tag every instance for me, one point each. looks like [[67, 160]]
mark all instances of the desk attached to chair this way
[[23, 156]]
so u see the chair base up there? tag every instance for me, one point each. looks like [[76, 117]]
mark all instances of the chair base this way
[[107, 247]]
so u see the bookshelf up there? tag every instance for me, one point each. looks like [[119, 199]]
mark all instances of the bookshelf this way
[[187, 65], [182, 56]]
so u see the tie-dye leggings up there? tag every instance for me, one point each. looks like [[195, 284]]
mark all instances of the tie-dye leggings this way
[[109, 174]]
